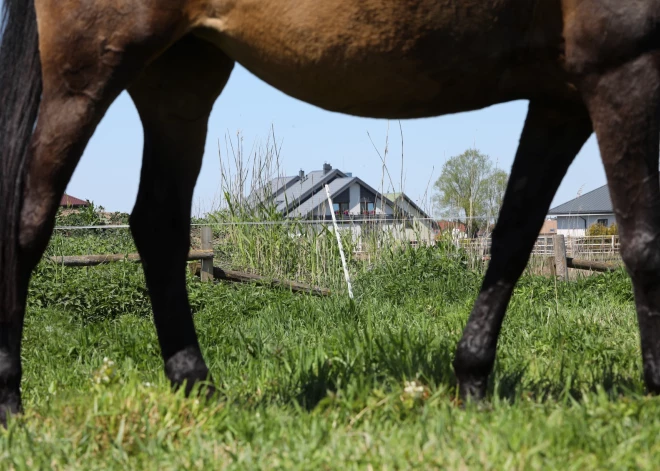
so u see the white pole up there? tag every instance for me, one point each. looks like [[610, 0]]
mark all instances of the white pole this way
[[341, 248]]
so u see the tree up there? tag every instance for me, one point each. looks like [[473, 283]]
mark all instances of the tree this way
[[496, 186], [598, 229], [470, 189]]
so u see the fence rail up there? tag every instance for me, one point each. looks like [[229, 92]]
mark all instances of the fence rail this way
[[561, 252], [204, 267], [586, 246]]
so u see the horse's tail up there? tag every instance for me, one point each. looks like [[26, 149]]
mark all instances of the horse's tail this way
[[20, 93]]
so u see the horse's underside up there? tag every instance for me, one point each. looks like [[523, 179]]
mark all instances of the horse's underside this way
[[584, 65]]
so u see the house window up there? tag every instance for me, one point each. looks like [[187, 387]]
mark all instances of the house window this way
[[367, 208], [602, 222], [340, 209]]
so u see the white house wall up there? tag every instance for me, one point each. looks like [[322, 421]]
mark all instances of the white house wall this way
[[576, 226]]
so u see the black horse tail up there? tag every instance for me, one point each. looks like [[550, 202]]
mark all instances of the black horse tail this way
[[20, 93]]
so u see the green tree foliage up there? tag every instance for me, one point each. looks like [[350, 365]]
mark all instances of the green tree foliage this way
[[470, 189], [600, 230]]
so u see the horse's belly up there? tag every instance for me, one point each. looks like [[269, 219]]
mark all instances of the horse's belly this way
[[378, 58]]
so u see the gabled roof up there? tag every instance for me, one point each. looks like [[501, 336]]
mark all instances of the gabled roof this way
[[395, 196], [303, 189], [72, 202], [271, 189], [594, 202], [299, 197], [280, 184], [336, 186]]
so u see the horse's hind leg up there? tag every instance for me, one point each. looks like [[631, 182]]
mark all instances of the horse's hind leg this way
[[552, 136], [88, 56], [625, 108], [174, 97]]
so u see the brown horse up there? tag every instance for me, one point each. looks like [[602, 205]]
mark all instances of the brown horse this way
[[584, 65]]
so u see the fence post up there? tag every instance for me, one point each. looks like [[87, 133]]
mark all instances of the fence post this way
[[206, 273], [561, 268]]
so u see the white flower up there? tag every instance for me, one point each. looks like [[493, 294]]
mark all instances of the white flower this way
[[413, 389]]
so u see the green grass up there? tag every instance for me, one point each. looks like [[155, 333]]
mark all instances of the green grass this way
[[309, 383]]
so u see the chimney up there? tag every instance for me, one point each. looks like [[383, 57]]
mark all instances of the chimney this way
[[301, 174], [326, 168]]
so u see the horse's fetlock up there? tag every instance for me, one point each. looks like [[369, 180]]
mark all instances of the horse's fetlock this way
[[472, 361], [10, 371]]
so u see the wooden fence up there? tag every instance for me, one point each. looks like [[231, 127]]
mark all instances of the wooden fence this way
[[582, 253], [205, 269], [581, 247]]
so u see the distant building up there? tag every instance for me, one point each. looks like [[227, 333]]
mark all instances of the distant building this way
[[356, 205], [549, 227], [575, 216], [71, 202], [457, 230]]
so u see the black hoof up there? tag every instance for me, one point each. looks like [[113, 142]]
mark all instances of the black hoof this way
[[11, 405], [187, 368], [10, 392], [652, 384], [472, 389], [472, 367]]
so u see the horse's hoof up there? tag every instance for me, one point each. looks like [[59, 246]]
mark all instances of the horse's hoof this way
[[472, 389], [7, 409]]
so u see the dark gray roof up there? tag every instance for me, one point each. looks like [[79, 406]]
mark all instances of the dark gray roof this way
[[594, 202], [303, 189], [271, 189], [280, 184], [299, 197], [336, 186]]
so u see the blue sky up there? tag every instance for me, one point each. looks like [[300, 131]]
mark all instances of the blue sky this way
[[108, 173]]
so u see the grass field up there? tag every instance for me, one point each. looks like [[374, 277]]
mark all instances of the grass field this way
[[320, 383]]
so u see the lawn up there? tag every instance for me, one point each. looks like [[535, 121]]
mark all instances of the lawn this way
[[322, 383]]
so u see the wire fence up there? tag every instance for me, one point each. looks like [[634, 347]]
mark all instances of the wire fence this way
[[306, 251], [302, 250], [283, 222]]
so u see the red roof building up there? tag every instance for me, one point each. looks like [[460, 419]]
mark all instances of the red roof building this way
[[68, 201], [450, 225]]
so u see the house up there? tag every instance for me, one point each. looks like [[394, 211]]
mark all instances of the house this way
[[421, 223], [71, 202], [549, 227], [455, 229], [575, 216], [356, 205]]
